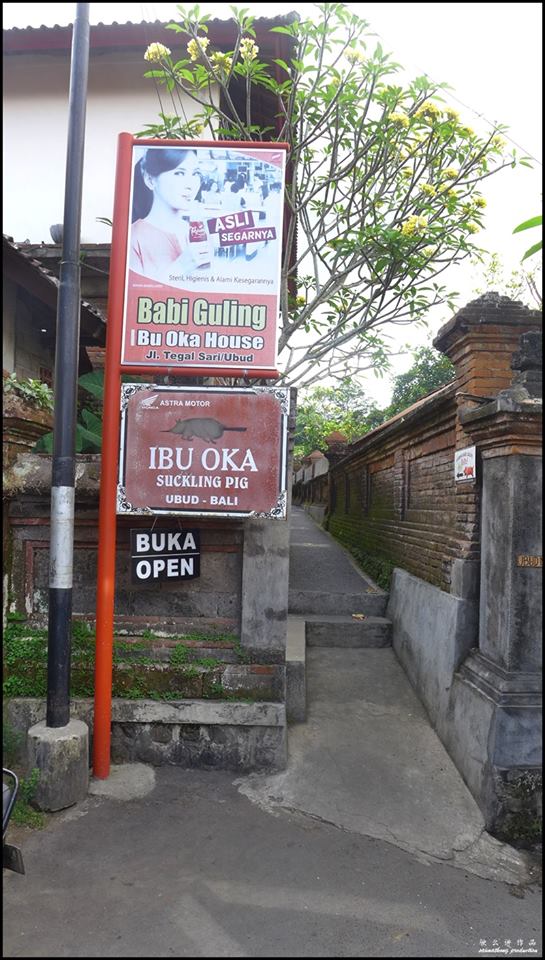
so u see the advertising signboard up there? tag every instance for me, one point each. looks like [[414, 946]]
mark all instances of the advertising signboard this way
[[208, 451], [204, 243]]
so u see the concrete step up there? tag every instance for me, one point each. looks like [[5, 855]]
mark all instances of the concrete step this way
[[372, 603], [349, 633]]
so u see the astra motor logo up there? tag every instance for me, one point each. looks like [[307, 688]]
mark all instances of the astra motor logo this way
[[149, 402]]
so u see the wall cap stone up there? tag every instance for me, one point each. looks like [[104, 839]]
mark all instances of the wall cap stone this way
[[491, 308], [30, 473], [206, 712]]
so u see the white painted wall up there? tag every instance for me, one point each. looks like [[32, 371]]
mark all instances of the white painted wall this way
[[35, 126]]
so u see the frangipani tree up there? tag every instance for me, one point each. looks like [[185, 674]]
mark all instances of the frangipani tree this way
[[384, 180]]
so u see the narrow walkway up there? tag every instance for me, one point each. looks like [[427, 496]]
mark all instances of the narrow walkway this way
[[367, 758], [318, 563]]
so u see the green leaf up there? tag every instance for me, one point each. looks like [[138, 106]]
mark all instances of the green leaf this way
[[93, 383], [86, 441], [536, 247], [185, 75], [281, 30], [283, 64], [44, 444], [533, 222], [91, 421]]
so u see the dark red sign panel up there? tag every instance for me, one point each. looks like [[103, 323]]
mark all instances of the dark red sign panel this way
[[202, 452]]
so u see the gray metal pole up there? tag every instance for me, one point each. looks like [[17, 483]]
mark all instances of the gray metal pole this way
[[65, 387]]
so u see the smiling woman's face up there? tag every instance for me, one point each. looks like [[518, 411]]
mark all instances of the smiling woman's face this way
[[177, 188]]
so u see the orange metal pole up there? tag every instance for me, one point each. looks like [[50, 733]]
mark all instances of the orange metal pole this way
[[109, 465], [110, 448]]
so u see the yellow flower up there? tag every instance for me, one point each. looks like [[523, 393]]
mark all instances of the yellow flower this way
[[428, 189], [222, 61], [480, 202], [399, 118], [498, 142], [196, 47], [198, 128], [473, 227], [451, 173], [429, 111], [452, 194], [248, 49], [156, 52], [407, 172], [413, 225], [355, 56], [428, 251], [301, 300], [467, 131], [452, 114]]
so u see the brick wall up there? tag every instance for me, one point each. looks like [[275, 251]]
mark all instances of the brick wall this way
[[393, 492]]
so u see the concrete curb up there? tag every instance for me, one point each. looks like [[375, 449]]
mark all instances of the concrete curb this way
[[296, 684]]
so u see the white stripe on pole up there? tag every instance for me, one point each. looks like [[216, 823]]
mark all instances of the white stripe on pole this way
[[61, 548]]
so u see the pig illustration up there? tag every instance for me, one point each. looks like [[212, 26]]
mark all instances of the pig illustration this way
[[204, 428]]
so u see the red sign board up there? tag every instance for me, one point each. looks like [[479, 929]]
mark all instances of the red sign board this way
[[202, 283], [211, 451]]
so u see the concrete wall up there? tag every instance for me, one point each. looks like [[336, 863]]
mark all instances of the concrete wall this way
[[240, 737], [433, 632], [242, 589], [36, 99], [26, 350], [9, 300]]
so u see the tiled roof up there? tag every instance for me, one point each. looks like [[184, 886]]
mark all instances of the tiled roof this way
[[88, 310], [128, 34], [139, 23], [63, 26]]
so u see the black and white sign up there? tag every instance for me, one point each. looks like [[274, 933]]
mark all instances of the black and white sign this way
[[171, 554]]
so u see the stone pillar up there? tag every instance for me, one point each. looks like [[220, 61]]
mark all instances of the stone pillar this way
[[23, 424], [265, 575], [480, 341], [502, 678]]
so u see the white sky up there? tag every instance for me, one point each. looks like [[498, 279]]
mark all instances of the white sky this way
[[490, 54]]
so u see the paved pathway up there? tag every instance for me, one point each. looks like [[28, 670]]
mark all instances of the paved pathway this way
[[367, 759], [189, 867], [347, 853]]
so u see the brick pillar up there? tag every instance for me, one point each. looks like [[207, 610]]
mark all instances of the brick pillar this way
[[480, 341], [502, 677]]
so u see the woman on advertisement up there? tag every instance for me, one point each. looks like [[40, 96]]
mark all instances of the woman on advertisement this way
[[167, 235]]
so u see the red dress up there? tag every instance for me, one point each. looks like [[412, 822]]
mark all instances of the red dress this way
[[153, 250]]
